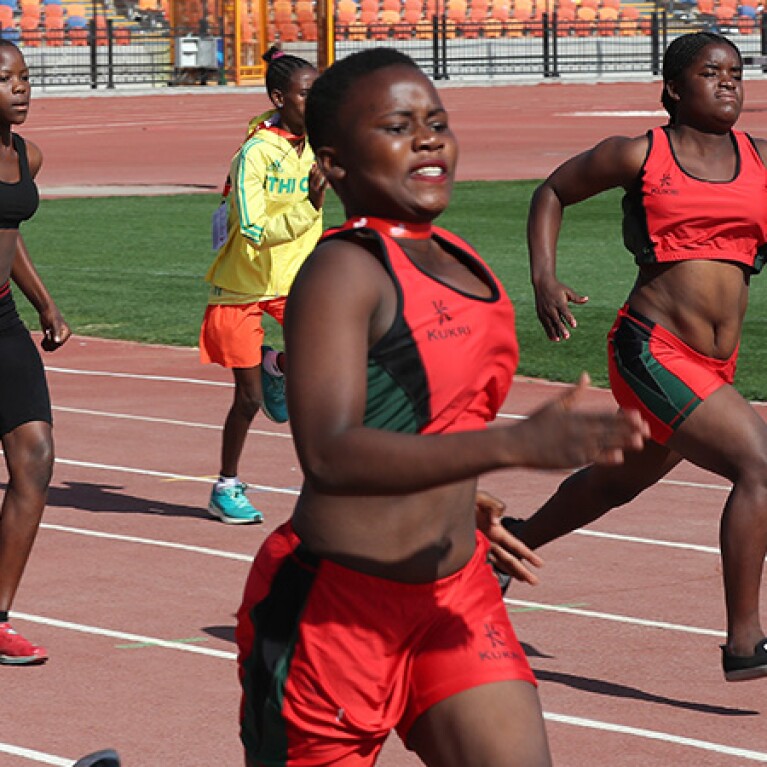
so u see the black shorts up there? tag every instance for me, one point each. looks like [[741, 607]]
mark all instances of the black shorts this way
[[24, 393]]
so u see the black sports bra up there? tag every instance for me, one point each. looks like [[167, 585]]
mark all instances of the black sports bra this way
[[19, 199]]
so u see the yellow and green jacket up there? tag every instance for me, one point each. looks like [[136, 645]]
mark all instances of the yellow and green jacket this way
[[272, 225]]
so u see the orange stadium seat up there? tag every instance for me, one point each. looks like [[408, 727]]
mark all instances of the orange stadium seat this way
[[522, 10], [78, 36], [347, 12], [607, 21], [492, 28], [289, 32], [585, 18], [424, 30], [390, 17], [30, 32], [368, 15], [308, 30], [379, 31], [412, 16], [283, 13], [54, 31], [391, 5], [122, 36], [456, 12], [357, 31], [501, 10], [305, 11]]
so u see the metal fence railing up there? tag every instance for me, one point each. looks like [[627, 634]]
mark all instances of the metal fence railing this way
[[544, 47], [549, 48]]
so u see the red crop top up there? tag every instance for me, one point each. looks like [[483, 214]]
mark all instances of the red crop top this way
[[447, 362], [672, 216]]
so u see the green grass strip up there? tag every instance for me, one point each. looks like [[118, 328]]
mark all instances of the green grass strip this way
[[132, 268]]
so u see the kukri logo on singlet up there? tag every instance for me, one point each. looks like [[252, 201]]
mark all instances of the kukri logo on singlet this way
[[443, 332]]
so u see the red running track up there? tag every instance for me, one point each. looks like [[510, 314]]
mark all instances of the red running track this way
[[133, 589]]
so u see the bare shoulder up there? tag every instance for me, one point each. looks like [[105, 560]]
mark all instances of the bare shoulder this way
[[342, 265], [624, 151]]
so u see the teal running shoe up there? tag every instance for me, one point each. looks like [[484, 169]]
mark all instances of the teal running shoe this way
[[274, 406], [230, 505]]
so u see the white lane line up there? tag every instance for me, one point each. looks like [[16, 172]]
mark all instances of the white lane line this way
[[165, 475], [34, 756], [617, 113], [149, 542], [649, 541], [577, 721], [526, 605], [126, 636], [138, 376], [580, 613], [165, 421], [177, 379]]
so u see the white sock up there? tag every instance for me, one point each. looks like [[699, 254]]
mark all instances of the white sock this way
[[227, 482], [270, 363]]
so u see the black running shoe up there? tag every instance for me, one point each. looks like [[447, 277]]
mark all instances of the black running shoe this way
[[105, 758], [740, 668]]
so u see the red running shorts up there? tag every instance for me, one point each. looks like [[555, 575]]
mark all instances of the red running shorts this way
[[654, 372], [331, 660]]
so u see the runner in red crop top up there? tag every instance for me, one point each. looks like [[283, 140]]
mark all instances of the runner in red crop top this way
[[671, 215], [413, 383], [696, 220], [374, 608]]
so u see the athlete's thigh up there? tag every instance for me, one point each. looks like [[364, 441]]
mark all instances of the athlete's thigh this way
[[493, 725], [724, 434]]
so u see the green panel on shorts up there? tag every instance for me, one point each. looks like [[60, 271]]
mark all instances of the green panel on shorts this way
[[664, 394]]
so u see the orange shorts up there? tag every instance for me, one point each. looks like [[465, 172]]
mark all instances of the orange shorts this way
[[332, 660], [231, 334]]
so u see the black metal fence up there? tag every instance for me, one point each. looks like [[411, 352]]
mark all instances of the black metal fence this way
[[545, 48], [548, 48]]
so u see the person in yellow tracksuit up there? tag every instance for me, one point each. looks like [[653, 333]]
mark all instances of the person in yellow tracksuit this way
[[268, 223]]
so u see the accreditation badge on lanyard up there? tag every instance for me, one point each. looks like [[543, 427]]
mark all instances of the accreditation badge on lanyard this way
[[218, 222]]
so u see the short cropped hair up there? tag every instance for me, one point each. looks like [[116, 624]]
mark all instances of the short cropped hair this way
[[680, 53], [331, 88]]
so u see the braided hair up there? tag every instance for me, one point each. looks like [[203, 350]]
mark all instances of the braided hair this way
[[680, 53], [331, 88], [281, 67]]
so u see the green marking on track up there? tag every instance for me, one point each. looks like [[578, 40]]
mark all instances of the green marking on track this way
[[544, 609], [138, 645]]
